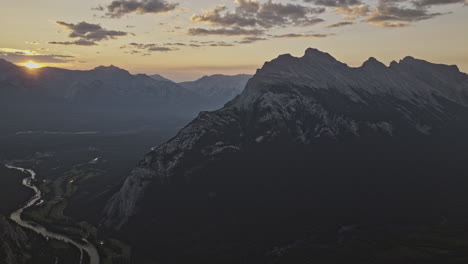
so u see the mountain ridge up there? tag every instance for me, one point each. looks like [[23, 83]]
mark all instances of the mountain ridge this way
[[218, 88], [101, 84], [302, 100]]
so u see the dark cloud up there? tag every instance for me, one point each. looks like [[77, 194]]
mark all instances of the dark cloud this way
[[92, 32], [295, 35], [221, 44], [350, 9], [199, 44], [334, 3], [176, 44], [236, 31], [424, 3], [87, 34], [119, 8], [215, 16], [146, 49], [20, 57], [79, 42], [249, 40], [251, 13], [341, 24], [389, 14]]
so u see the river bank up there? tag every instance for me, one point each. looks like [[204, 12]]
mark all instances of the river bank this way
[[84, 246]]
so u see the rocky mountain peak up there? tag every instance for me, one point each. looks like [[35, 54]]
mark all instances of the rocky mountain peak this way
[[300, 101], [160, 78], [318, 55], [110, 70], [373, 63], [313, 62]]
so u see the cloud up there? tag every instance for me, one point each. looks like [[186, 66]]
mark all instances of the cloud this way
[[146, 49], [334, 3], [236, 31], [252, 19], [392, 25], [249, 40], [199, 44], [252, 13], [92, 32], [388, 14], [340, 24], [294, 35], [215, 17], [221, 44], [352, 12], [119, 8], [424, 3], [87, 34], [176, 44], [80, 42], [20, 56]]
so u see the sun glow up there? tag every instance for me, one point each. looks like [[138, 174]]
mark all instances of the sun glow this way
[[32, 65]]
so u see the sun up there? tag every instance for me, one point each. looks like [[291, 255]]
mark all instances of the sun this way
[[32, 65]]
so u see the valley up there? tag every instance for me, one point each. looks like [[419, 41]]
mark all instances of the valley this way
[[75, 173]]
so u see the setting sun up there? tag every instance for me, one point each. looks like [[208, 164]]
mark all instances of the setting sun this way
[[32, 65]]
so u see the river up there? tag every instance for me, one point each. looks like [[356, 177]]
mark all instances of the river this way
[[84, 246]]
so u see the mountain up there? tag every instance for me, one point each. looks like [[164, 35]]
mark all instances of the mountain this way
[[14, 242], [99, 86], [310, 145], [160, 78], [101, 98], [219, 89]]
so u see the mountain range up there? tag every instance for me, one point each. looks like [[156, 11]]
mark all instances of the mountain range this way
[[112, 85], [98, 95], [101, 86], [310, 142], [218, 89]]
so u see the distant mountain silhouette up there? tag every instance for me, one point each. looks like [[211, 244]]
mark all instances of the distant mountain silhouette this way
[[160, 78], [218, 89], [44, 97], [102, 86]]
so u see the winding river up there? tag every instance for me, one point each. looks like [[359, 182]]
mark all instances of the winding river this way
[[84, 246]]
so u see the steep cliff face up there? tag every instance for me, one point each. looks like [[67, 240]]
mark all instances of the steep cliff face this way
[[298, 101], [13, 243]]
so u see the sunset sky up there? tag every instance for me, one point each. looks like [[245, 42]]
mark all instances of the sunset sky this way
[[183, 40]]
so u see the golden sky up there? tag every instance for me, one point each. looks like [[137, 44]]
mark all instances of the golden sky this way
[[184, 40]]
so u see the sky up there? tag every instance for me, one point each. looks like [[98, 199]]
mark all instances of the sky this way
[[184, 40]]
